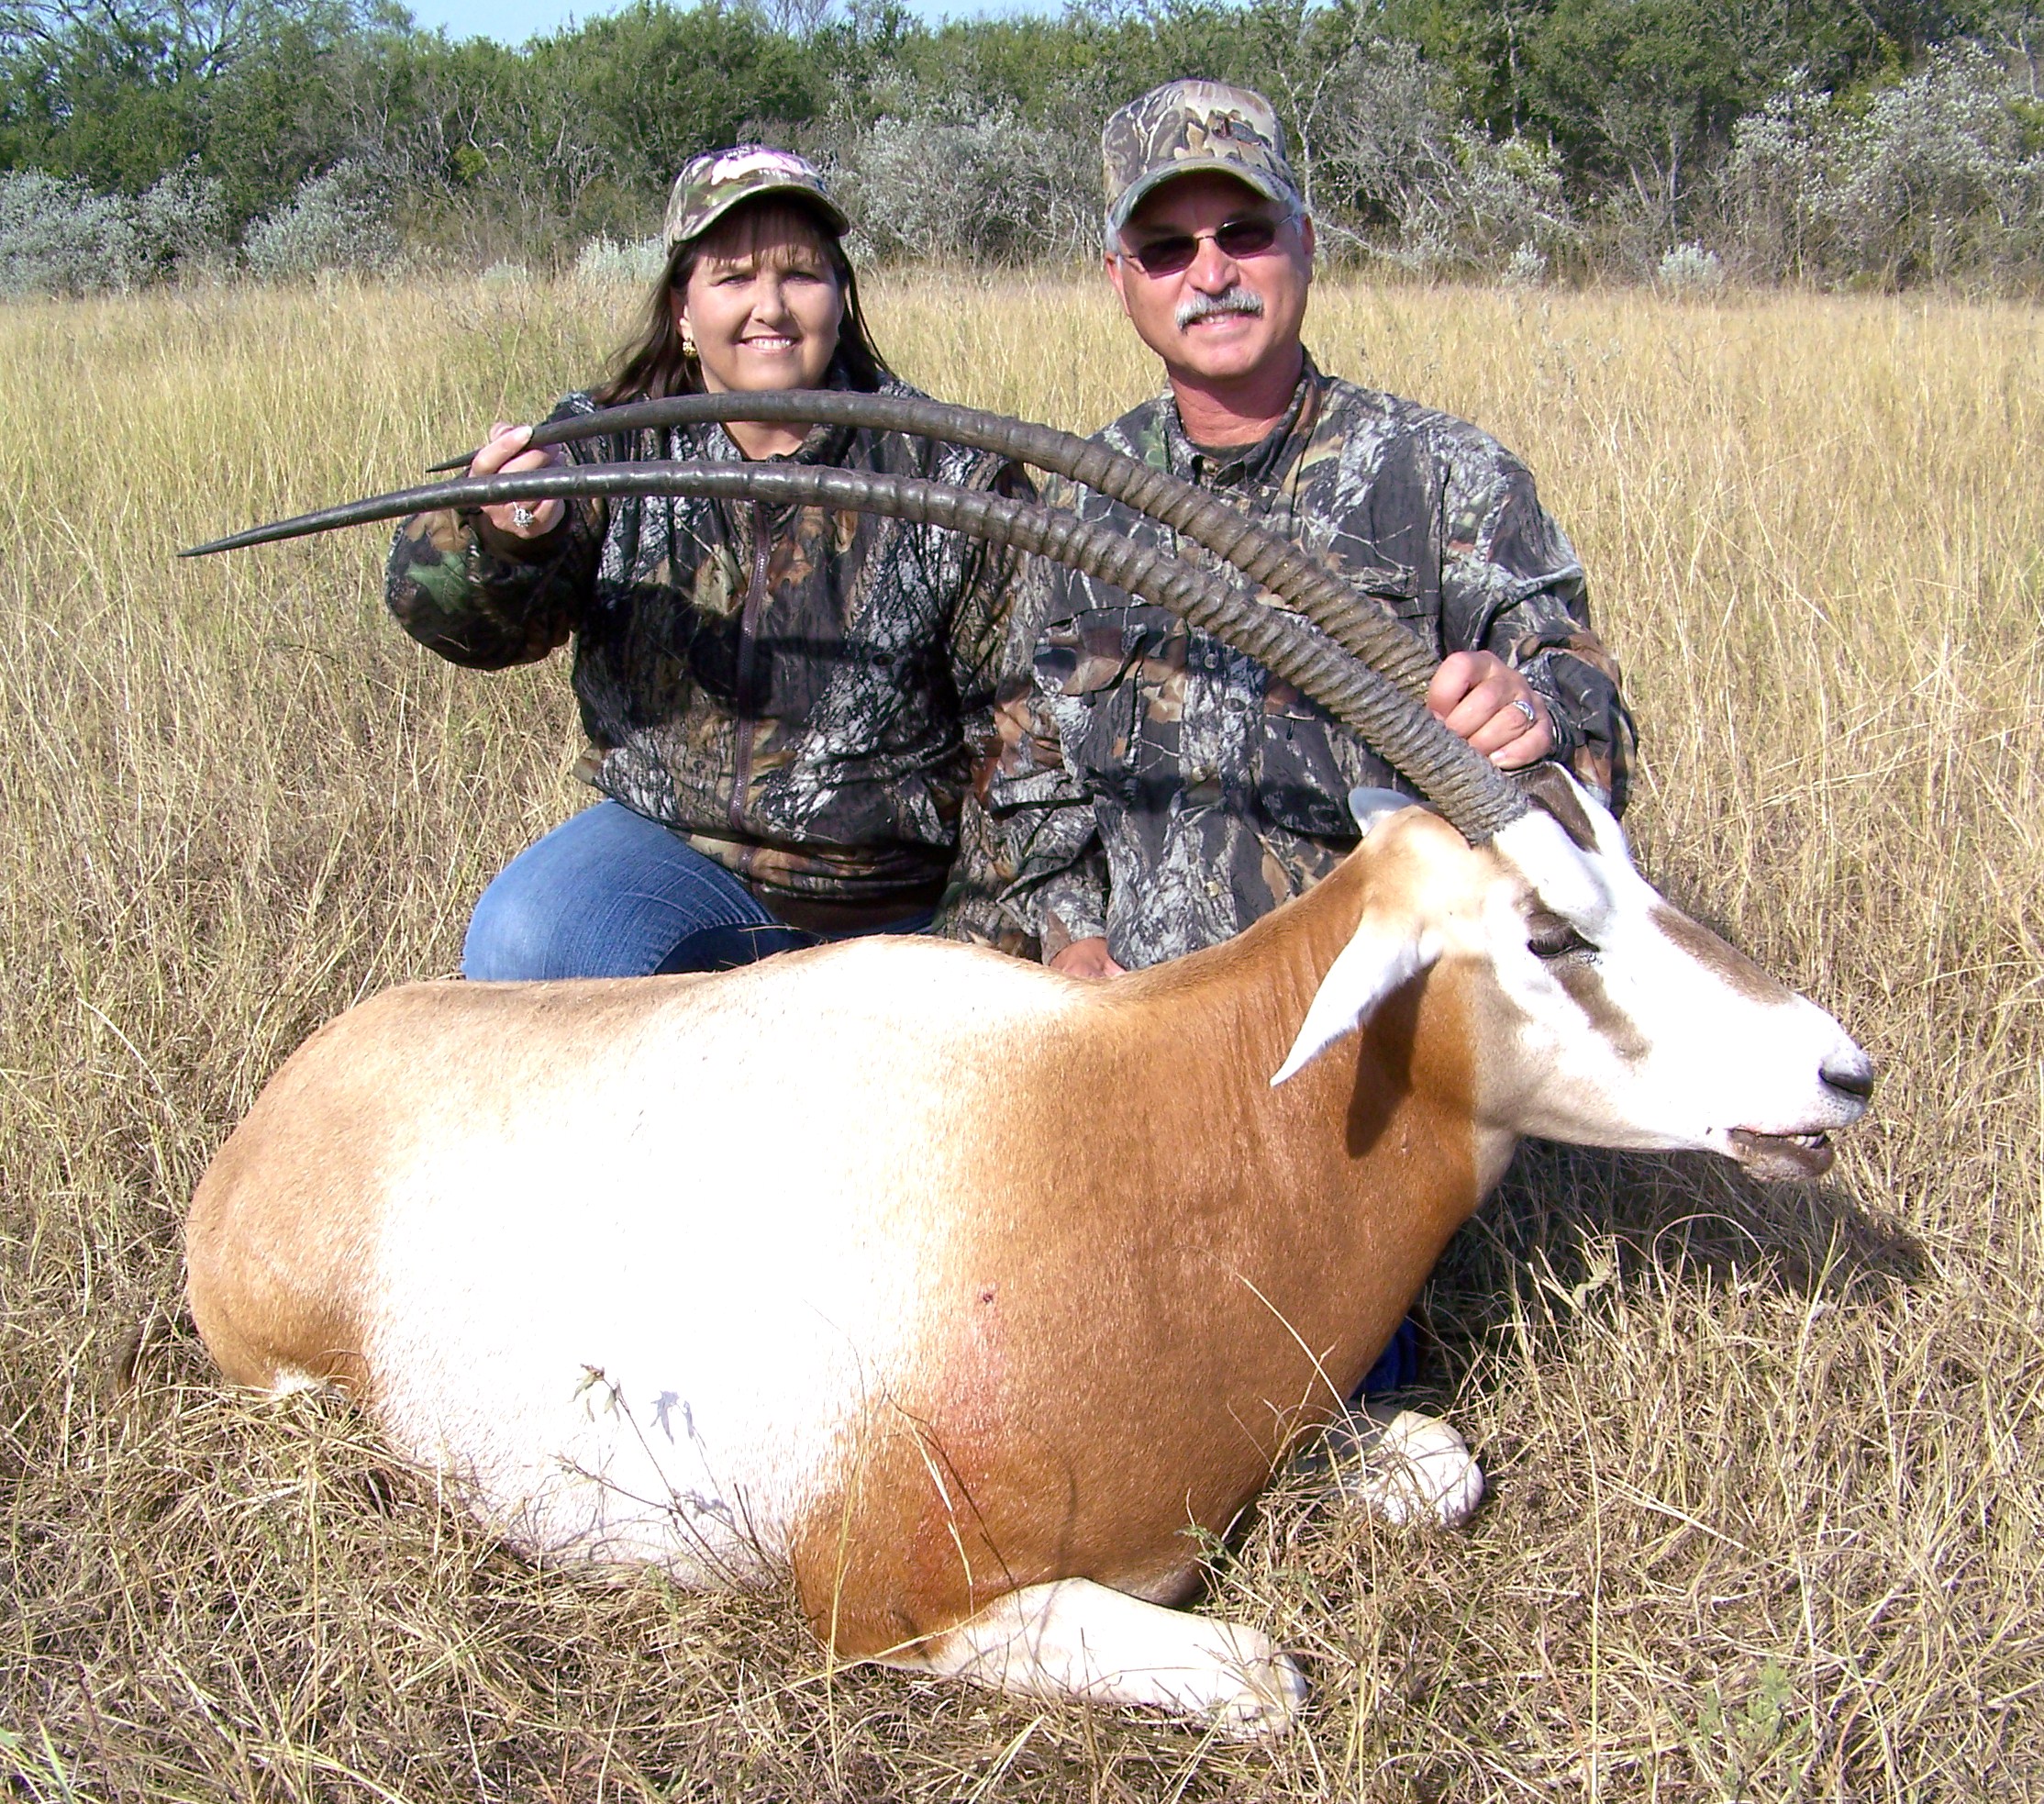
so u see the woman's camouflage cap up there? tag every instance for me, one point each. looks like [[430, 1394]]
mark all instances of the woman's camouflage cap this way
[[710, 185], [1187, 125]]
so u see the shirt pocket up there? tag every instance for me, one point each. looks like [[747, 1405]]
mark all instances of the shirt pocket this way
[[1396, 592], [1299, 781], [1083, 671]]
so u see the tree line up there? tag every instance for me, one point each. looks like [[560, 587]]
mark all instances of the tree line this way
[[1878, 142]]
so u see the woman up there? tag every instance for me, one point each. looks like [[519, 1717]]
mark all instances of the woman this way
[[778, 700]]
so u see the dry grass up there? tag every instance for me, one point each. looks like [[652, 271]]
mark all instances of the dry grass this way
[[1766, 1519]]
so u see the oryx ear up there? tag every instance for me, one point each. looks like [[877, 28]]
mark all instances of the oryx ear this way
[[1381, 956], [1370, 806]]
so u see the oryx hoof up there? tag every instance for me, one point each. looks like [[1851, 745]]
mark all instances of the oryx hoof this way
[[1403, 1467], [1272, 1695]]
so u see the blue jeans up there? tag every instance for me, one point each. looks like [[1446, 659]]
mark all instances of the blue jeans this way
[[611, 894], [1397, 1366]]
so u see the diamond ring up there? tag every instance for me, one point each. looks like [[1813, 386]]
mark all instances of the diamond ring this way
[[525, 518]]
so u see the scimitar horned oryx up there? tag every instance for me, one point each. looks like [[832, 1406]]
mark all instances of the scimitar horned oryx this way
[[969, 1295]]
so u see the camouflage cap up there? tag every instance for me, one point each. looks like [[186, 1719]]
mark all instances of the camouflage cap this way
[[1187, 125], [710, 185]]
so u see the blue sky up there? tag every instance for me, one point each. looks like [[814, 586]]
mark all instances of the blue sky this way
[[513, 21]]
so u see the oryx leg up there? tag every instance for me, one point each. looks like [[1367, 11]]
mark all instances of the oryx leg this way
[[1076, 1641]]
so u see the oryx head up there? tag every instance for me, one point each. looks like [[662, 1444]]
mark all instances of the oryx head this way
[[1604, 1015]]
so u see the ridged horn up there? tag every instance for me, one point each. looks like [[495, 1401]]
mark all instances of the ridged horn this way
[[1469, 792], [1208, 520]]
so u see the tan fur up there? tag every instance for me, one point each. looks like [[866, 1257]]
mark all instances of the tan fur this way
[[1739, 973], [284, 1219], [273, 1302], [1139, 1336]]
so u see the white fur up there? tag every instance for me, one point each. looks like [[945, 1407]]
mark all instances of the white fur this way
[[1712, 1059], [1073, 1638], [670, 1380]]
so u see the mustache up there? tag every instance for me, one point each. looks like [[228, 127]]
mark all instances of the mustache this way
[[1236, 299]]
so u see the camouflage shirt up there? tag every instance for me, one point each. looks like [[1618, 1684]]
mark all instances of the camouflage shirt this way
[[793, 689], [1154, 785]]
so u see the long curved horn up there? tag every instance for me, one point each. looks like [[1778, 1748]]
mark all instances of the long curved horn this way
[[1460, 783], [1267, 560]]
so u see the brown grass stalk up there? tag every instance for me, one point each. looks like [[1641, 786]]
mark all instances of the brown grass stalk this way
[[1765, 1518]]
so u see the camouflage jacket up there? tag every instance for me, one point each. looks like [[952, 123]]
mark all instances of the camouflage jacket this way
[[800, 693], [1154, 785]]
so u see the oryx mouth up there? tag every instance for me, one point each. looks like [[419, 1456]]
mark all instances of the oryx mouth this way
[[1776, 1157]]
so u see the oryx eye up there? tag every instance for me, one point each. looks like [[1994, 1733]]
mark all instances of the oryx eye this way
[[1550, 936]]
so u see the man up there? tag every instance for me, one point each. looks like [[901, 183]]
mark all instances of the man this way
[[1155, 791]]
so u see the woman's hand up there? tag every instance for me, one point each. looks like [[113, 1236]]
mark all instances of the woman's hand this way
[[507, 452], [1480, 697]]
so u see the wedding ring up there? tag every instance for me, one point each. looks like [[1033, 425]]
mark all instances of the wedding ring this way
[[525, 518], [1526, 708]]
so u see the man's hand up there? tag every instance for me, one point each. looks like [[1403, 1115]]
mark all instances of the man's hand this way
[[507, 452], [1086, 958], [1480, 697]]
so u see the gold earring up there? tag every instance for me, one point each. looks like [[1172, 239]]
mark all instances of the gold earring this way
[[688, 344]]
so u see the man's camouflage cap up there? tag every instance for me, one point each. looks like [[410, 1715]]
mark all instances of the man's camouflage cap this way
[[710, 185], [1187, 125]]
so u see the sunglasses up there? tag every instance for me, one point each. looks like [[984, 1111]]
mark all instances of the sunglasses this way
[[1238, 238]]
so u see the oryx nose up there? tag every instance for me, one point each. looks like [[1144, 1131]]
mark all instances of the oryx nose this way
[[1849, 1074]]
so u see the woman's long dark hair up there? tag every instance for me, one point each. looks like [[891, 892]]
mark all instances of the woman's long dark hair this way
[[653, 366]]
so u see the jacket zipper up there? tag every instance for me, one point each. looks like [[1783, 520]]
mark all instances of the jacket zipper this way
[[749, 649]]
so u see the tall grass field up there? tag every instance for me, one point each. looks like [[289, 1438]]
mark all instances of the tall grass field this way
[[1765, 1518]]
